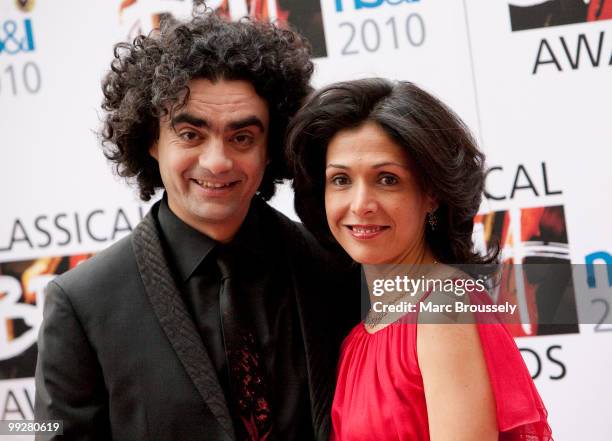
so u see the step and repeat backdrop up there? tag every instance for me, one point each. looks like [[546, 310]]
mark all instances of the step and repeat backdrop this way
[[531, 78]]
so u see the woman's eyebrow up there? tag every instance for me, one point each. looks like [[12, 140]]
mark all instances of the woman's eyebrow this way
[[384, 164], [379, 165], [344, 167]]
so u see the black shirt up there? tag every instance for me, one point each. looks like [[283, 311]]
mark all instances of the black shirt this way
[[263, 278]]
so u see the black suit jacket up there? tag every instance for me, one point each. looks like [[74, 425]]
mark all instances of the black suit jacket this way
[[120, 357]]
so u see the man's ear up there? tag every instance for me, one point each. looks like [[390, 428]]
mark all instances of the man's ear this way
[[154, 151]]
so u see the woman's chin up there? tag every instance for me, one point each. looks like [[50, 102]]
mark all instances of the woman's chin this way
[[368, 253], [369, 259]]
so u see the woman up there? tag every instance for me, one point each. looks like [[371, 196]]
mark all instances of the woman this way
[[399, 179]]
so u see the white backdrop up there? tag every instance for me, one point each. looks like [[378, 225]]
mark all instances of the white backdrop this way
[[536, 99]]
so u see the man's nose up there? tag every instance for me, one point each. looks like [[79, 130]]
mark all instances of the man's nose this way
[[363, 202], [215, 157]]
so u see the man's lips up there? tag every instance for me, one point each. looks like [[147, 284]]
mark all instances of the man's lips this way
[[366, 231], [214, 187]]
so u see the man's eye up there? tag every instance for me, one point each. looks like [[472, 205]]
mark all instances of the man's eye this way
[[340, 180], [188, 135], [243, 139], [388, 180]]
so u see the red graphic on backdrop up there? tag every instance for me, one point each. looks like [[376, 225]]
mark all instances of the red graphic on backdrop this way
[[537, 272], [141, 16], [533, 14]]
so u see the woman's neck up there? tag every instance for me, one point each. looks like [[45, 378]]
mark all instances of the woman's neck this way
[[415, 263]]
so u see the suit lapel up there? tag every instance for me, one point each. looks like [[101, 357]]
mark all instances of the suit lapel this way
[[317, 345], [176, 321], [318, 355]]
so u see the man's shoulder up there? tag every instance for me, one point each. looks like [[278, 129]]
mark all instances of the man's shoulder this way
[[113, 264]]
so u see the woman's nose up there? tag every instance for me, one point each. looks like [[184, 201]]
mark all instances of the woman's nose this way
[[363, 201]]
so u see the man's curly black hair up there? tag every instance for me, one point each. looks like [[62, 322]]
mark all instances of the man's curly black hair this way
[[148, 79]]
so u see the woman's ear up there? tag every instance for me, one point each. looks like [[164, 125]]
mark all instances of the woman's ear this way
[[431, 203]]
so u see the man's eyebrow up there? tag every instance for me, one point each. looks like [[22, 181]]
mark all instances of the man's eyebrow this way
[[246, 122], [202, 123], [189, 119]]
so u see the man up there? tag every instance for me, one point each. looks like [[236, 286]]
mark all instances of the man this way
[[212, 320]]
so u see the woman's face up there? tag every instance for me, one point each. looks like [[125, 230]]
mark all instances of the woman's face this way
[[375, 207]]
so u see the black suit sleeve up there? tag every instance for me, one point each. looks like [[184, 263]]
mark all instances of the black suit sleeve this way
[[69, 382]]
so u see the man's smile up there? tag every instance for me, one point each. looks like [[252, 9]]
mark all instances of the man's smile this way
[[214, 185]]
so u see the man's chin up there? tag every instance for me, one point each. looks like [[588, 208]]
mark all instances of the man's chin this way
[[215, 217], [217, 213]]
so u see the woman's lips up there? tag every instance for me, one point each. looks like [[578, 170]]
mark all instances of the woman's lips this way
[[365, 232]]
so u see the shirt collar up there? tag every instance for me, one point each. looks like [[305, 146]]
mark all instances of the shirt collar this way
[[249, 241], [188, 247]]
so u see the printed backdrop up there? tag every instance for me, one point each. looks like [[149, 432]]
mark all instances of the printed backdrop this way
[[531, 78]]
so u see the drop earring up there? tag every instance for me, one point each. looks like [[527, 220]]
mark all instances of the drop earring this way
[[432, 219]]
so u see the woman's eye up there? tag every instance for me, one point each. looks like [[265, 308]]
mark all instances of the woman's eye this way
[[340, 180], [388, 180]]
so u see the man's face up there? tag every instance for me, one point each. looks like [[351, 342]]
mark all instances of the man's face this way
[[212, 155]]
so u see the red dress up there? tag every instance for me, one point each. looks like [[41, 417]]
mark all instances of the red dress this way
[[380, 396]]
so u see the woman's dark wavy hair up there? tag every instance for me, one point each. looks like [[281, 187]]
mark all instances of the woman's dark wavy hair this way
[[148, 79], [444, 155]]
